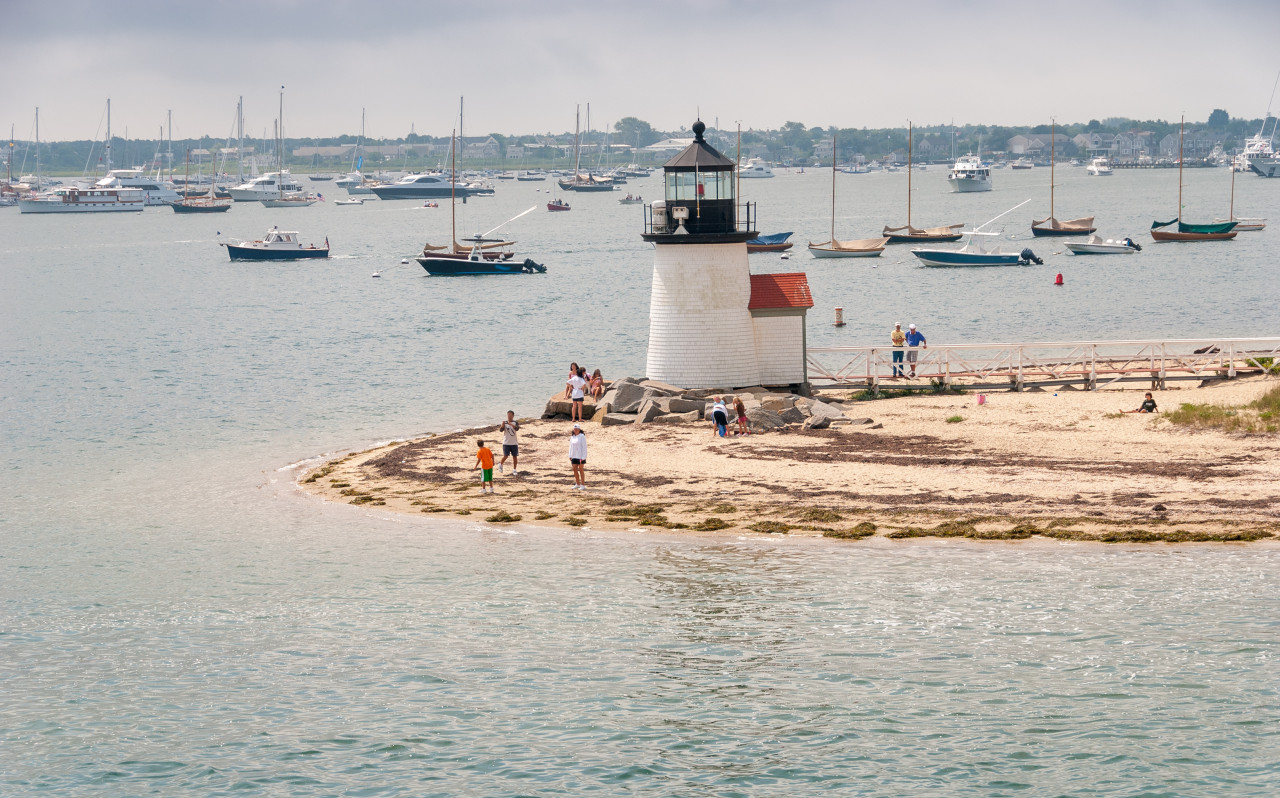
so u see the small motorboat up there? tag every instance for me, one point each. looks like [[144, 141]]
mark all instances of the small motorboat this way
[[1096, 245], [1099, 167], [630, 200], [771, 243], [277, 244], [431, 204], [350, 201], [557, 205]]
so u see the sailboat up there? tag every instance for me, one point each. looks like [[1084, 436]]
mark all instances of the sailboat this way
[[483, 255], [1242, 225], [1190, 232], [864, 248], [580, 181], [1051, 226], [205, 203], [908, 234], [283, 199]]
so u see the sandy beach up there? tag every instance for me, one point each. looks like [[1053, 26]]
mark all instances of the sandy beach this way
[[1062, 464]]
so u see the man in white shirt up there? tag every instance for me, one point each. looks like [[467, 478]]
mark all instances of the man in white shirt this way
[[510, 445]]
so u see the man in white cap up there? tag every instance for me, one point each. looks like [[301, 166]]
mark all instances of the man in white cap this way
[[915, 341]]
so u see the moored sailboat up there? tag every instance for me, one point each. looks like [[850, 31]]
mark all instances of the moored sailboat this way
[[1185, 231], [204, 203], [909, 234], [1052, 226], [1242, 225], [864, 248]]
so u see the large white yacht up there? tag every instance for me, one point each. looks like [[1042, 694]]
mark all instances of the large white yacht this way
[[755, 168], [268, 185], [969, 174], [154, 191], [1256, 148], [82, 200], [424, 186], [1099, 167]]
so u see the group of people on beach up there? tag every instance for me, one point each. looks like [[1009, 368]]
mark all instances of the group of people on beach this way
[[909, 343], [720, 416], [509, 428], [579, 386]]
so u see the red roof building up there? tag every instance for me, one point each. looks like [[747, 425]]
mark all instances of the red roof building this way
[[780, 291]]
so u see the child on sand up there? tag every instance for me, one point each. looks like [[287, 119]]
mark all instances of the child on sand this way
[[741, 410], [484, 461], [1148, 406]]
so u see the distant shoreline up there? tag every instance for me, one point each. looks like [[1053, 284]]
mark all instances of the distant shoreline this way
[[1062, 466]]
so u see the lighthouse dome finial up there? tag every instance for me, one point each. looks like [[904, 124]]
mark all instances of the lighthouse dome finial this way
[[698, 130]]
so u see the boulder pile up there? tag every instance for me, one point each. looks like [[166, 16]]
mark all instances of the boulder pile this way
[[635, 401]]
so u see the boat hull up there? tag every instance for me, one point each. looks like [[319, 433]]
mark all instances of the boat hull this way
[[44, 206], [1173, 235], [438, 266], [1265, 168], [179, 207], [955, 258], [253, 253], [783, 247], [819, 252], [288, 203], [395, 192], [894, 238], [1081, 248], [967, 185], [1041, 232]]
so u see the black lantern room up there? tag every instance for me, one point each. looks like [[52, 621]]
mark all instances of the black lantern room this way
[[699, 206]]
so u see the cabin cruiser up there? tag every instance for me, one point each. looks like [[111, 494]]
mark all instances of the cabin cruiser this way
[[755, 168], [268, 185], [277, 244], [1099, 167], [81, 200], [154, 191], [969, 174], [424, 186]]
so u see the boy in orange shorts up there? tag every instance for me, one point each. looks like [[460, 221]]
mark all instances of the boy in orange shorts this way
[[484, 461]]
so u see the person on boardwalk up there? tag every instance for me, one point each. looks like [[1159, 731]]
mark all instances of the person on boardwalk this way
[[720, 415], [484, 462], [899, 339], [510, 444], [915, 342], [1148, 406], [575, 388], [578, 457], [741, 410]]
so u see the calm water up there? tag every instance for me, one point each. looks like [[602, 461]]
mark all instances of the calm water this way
[[177, 621]]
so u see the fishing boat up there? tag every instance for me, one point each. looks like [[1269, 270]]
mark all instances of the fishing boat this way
[[1096, 245], [1221, 231], [969, 174], [579, 181], [557, 205], [277, 244], [908, 233], [1242, 225], [202, 203], [630, 200], [863, 248], [776, 242], [483, 255], [1052, 226], [975, 252], [1099, 167]]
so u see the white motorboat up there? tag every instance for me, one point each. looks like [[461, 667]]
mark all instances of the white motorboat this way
[[81, 200], [268, 185], [154, 191], [969, 174], [755, 168], [350, 179], [1099, 167], [351, 201], [1097, 245], [291, 200]]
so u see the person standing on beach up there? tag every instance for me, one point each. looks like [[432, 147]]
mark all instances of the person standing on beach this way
[[1148, 406], [578, 457], [899, 339], [575, 388], [741, 409], [510, 445], [720, 415], [915, 342], [484, 462]]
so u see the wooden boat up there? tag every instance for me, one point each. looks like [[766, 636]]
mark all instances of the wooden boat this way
[[557, 205], [771, 243], [1052, 226], [864, 248], [909, 234], [277, 244], [1185, 231]]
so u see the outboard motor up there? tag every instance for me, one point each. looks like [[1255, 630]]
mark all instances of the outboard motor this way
[[1028, 257], [1129, 242]]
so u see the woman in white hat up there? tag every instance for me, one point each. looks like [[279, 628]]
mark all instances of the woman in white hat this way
[[578, 457]]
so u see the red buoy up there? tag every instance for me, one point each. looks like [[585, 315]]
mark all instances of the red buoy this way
[[1059, 280]]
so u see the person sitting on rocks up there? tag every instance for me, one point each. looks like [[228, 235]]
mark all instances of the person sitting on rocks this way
[[595, 386]]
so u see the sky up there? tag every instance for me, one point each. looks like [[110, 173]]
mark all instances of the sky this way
[[523, 67]]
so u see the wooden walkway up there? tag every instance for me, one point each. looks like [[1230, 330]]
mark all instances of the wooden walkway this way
[[1088, 364]]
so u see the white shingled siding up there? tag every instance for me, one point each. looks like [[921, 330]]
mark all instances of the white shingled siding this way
[[700, 331], [780, 349]]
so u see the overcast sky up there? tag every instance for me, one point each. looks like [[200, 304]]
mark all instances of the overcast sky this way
[[523, 66]]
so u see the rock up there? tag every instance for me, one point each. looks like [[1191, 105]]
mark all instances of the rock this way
[[704, 393], [608, 399], [678, 404], [858, 421], [823, 410], [662, 387], [628, 397], [598, 415], [617, 419], [649, 410], [627, 381], [1159, 508], [678, 418], [765, 420], [793, 415], [777, 402], [558, 406], [817, 422], [876, 426]]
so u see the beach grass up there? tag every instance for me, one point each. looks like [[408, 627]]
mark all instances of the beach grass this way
[[1259, 416]]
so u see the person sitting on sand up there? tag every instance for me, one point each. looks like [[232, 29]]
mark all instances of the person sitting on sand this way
[[741, 410], [1148, 405], [595, 386], [720, 415], [578, 457], [484, 461]]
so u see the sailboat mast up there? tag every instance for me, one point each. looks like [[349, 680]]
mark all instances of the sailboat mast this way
[[1182, 127], [280, 146], [38, 180], [737, 167], [170, 145], [240, 139], [833, 189], [1053, 140], [1231, 216], [109, 134], [910, 170], [577, 140], [453, 189]]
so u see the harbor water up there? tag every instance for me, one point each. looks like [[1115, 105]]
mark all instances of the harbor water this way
[[177, 619]]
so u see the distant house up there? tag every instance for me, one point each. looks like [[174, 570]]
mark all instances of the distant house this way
[[515, 152], [822, 150], [1197, 144], [479, 147], [1095, 144], [668, 145]]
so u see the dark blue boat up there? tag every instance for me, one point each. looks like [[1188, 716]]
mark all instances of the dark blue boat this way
[[277, 244], [477, 262], [770, 243]]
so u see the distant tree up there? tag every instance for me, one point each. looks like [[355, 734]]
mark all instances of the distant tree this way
[[1039, 129], [635, 132], [1219, 119], [1093, 126]]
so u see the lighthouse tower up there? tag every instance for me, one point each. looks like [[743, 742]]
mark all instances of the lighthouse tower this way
[[700, 328]]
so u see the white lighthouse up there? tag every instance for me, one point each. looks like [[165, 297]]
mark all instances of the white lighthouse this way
[[700, 327]]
